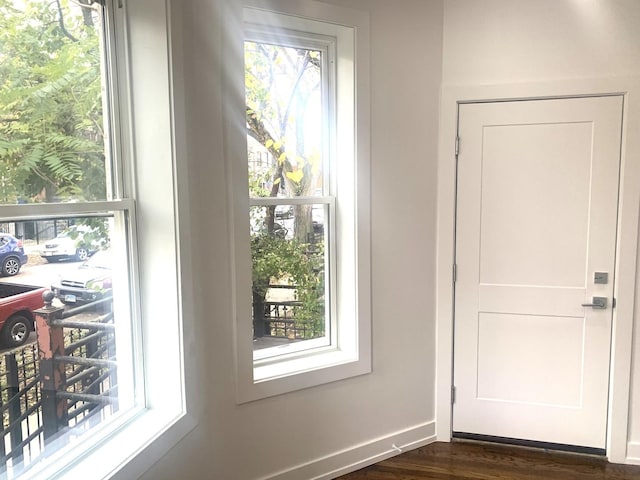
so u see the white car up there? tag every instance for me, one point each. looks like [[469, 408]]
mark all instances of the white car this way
[[69, 245]]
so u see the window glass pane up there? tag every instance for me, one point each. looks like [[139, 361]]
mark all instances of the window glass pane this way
[[284, 95], [52, 129], [70, 373], [289, 288]]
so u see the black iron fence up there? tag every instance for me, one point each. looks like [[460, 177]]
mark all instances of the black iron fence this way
[[67, 379], [281, 318], [38, 230], [21, 402]]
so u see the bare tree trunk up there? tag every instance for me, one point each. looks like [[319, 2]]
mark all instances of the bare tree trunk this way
[[87, 17], [271, 219], [303, 223]]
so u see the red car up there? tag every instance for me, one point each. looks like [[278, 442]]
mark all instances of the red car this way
[[17, 303]]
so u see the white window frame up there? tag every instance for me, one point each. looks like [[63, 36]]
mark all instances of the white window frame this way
[[349, 353], [149, 99], [327, 45]]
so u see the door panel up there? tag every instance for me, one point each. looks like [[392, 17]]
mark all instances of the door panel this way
[[536, 218], [537, 178], [534, 377]]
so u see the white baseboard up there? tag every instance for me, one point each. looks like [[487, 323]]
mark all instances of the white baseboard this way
[[360, 456], [633, 453]]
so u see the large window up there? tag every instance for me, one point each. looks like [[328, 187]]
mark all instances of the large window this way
[[306, 107], [289, 98], [75, 221]]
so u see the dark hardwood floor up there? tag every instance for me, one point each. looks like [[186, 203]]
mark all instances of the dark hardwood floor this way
[[462, 460]]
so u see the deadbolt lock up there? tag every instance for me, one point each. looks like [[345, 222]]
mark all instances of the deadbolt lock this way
[[601, 278]]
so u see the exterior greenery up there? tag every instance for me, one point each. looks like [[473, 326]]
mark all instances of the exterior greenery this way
[[281, 85], [51, 111]]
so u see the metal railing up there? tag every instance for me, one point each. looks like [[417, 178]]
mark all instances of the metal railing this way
[[21, 405], [67, 379], [280, 319]]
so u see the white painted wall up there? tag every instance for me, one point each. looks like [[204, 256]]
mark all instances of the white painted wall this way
[[258, 439], [506, 41], [514, 41]]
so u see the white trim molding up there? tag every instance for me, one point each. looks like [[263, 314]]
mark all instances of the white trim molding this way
[[627, 241], [360, 456], [633, 453]]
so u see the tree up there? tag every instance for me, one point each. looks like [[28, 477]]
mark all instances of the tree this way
[[282, 87], [283, 98], [51, 118], [274, 257]]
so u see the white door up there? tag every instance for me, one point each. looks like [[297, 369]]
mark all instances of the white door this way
[[535, 239]]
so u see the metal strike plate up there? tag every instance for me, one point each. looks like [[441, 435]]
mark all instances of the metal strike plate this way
[[601, 278]]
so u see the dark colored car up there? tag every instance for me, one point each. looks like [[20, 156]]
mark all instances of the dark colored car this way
[[12, 255], [89, 282]]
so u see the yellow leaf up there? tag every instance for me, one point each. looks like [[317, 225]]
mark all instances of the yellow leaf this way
[[295, 176]]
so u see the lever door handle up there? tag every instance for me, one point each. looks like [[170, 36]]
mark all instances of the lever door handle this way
[[598, 302]]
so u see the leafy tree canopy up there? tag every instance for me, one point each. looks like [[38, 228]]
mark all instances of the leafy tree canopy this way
[[51, 114]]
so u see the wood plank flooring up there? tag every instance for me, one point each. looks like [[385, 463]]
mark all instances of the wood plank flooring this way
[[463, 460]]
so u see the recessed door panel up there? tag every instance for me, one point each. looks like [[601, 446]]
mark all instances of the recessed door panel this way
[[535, 203]]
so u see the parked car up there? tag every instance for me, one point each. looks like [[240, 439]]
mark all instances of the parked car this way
[[89, 282], [12, 255], [17, 303], [70, 245]]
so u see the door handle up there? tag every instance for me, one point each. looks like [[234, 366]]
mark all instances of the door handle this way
[[598, 302]]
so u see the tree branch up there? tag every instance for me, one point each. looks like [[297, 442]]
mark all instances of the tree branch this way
[[257, 131], [61, 23], [294, 89], [315, 61]]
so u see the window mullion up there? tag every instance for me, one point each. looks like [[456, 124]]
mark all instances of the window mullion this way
[[62, 210], [269, 201]]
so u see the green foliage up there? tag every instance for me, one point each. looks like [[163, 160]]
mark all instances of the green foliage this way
[[97, 234], [279, 260], [51, 118], [284, 115], [312, 313], [275, 258]]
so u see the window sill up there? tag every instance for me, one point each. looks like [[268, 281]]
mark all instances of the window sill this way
[[102, 454], [301, 372], [309, 361], [285, 352]]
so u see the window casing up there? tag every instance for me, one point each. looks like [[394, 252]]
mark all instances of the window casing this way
[[345, 350]]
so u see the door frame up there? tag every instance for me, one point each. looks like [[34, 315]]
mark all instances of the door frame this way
[[626, 245]]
